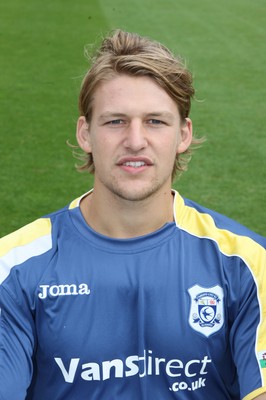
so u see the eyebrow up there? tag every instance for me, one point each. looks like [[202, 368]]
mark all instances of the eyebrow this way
[[108, 114], [156, 114], [162, 114]]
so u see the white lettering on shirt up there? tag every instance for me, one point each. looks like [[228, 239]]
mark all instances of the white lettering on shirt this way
[[138, 365], [63, 290]]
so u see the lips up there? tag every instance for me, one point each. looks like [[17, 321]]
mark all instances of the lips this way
[[135, 162]]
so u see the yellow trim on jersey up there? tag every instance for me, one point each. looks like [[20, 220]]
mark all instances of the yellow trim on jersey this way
[[252, 253], [75, 203], [25, 235], [255, 394]]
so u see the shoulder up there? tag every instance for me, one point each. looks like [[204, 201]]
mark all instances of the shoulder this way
[[29, 241], [231, 238], [32, 240], [205, 223]]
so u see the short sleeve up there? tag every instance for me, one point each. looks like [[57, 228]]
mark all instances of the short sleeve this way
[[245, 337], [16, 346]]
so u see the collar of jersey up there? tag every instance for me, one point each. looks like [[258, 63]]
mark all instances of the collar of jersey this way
[[137, 244]]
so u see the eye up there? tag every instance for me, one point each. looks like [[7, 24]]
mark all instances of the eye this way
[[115, 122], [153, 121]]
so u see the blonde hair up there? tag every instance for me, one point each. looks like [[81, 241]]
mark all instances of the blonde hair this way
[[134, 55]]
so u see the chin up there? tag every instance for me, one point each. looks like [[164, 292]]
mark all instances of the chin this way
[[136, 194]]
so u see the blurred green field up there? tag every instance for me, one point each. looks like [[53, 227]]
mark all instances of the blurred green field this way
[[42, 64]]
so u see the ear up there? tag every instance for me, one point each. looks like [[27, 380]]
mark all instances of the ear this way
[[186, 136], [82, 135]]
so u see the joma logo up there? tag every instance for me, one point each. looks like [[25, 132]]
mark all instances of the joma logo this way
[[63, 290]]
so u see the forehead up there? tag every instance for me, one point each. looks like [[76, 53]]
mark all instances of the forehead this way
[[129, 94]]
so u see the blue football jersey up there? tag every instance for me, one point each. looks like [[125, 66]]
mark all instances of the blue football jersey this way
[[176, 314]]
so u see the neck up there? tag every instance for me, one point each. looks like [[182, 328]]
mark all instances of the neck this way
[[120, 218]]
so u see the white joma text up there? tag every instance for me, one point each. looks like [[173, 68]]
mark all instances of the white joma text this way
[[63, 290]]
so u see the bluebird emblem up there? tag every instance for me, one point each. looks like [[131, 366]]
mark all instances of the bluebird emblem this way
[[206, 309]]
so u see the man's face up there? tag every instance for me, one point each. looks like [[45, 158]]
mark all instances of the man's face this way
[[134, 136]]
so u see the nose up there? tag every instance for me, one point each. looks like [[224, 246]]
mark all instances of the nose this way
[[135, 139]]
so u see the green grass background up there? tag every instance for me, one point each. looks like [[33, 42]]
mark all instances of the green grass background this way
[[41, 67]]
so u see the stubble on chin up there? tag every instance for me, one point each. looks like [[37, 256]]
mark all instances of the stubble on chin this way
[[133, 192]]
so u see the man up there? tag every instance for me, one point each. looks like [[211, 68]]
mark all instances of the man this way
[[133, 292]]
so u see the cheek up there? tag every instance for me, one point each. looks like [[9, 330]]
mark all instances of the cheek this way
[[101, 150], [168, 157], [170, 149]]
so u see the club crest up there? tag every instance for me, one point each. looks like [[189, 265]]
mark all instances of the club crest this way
[[206, 309]]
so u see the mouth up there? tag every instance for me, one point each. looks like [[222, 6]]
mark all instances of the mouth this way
[[137, 164], [134, 164]]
